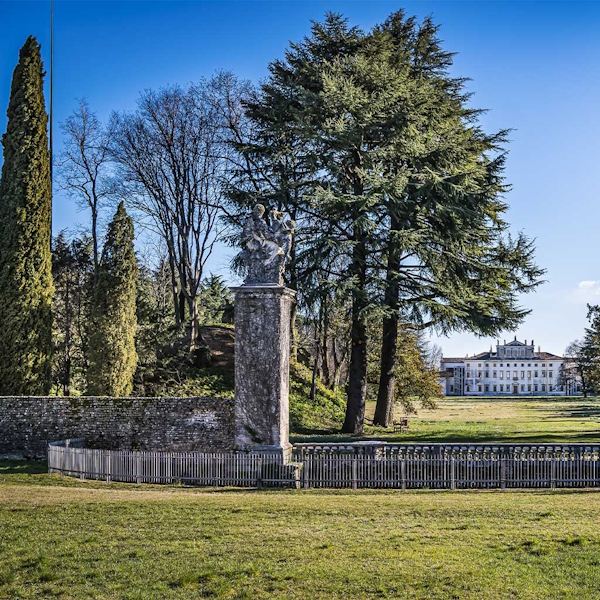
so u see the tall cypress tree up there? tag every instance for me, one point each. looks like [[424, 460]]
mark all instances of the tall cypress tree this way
[[25, 234], [112, 353]]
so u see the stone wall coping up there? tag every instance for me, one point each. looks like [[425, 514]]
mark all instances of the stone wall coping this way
[[119, 398]]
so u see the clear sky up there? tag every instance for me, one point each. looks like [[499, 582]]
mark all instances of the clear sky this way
[[534, 65]]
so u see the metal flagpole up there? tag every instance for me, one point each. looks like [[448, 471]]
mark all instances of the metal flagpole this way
[[51, 83], [51, 108]]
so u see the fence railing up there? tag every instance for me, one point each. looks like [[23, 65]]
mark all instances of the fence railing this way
[[191, 468], [435, 466]]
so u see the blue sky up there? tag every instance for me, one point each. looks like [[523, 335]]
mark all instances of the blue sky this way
[[534, 65]]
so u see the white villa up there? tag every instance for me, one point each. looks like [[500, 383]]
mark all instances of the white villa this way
[[513, 369]]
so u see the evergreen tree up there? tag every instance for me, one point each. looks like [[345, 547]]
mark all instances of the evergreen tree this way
[[588, 353], [405, 193], [73, 273], [112, 353], [25, 235]]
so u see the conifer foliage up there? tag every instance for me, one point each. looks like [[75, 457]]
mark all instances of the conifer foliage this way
[[112, 352], [25, 234]]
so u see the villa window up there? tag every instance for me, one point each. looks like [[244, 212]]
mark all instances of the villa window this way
[[501, 375], [468, 374], [468, 388], [550, 388], [495, 388], [522, 374], [451, 388], [550, 374], [535, 387], [479, 374], [478, 388], [543, 373], [528, 387], [487, 388], [528, 374], [535, 374], [494, 374], [487, 374], [501, 387], [522, 387], [543, 387]]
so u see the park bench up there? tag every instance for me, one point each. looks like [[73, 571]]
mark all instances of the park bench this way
[[401, 425]]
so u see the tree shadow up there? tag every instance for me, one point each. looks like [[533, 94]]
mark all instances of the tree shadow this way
[[23, 467]]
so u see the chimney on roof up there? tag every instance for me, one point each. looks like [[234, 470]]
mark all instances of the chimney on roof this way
[[539, 350], [526, 342], [505, 342], [515, 338], [532, 342]]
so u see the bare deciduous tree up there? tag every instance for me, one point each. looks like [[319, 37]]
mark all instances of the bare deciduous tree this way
[[172, 158], [83, 166]]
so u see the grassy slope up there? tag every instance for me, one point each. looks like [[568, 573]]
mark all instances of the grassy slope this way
[[114, 541], [471, 420]]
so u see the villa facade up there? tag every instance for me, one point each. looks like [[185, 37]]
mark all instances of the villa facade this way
[[514, 369]]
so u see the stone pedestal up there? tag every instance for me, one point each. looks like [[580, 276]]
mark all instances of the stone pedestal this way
[[262, 371]]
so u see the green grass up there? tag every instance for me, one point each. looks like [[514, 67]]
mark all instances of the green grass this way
[[114, 541], [476, 420]]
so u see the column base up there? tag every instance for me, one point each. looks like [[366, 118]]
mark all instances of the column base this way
[[269, 452]]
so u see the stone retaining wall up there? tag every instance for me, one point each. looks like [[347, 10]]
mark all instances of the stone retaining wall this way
[[27, 425]]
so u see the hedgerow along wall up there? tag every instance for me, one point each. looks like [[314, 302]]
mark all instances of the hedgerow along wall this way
[[202, 424]]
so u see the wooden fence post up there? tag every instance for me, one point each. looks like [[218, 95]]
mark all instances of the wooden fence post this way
[[354, 473], [214, 472], [259, 472]]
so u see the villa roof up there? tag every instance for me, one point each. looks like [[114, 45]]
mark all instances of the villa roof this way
[[491, 356]]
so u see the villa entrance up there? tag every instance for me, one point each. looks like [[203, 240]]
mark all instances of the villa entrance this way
[[515, 389]]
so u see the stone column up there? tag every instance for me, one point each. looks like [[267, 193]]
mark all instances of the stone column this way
[[262, 368]]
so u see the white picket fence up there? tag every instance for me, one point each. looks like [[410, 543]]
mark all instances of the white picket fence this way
[[435, 466]]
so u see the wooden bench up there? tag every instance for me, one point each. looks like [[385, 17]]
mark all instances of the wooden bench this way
[[401, 425]]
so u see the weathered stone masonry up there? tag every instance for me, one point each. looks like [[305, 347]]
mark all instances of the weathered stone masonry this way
[[27, 425]]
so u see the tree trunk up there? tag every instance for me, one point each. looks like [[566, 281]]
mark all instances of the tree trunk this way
[[95, 243], [313, 386], [323, 342], [357, 381], [384, 410], [177, 307]]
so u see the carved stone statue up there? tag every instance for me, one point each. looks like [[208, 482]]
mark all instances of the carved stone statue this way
[[266, 248]]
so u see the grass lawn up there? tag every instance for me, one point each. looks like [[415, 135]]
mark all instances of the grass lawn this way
[[527, 421], [62, 538]]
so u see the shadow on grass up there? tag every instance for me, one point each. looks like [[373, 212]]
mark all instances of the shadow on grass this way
[[566, 412], [23, 467]]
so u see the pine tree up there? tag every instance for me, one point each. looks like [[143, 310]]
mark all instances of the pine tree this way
[[112, 352], [25, 235]]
